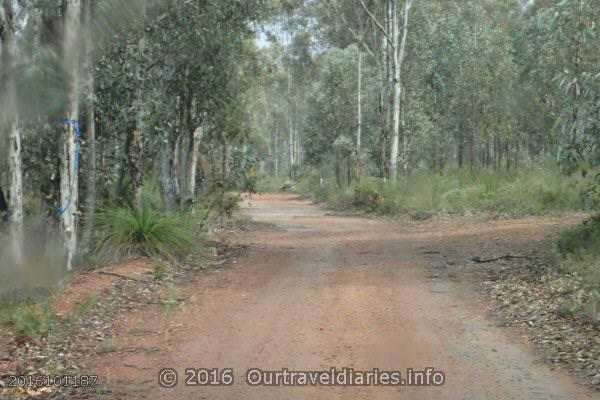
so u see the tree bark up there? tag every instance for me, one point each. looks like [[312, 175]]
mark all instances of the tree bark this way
[[292, 153], [276, 152], [359, 117], [135, 154], [3, 207], [166, 177], [195, 138], [90, 198], [69, 145], [397, 89], [224, 161], [399, 52], [135, 166], [15, 168]]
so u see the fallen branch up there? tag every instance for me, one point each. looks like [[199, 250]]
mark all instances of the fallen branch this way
[[154, 303], [123, 276], [149, 302], [480, 260]]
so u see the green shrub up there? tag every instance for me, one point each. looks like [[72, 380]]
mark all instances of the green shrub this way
[[271, 184], [534, 191], [580, 266], [341, 199], [582, 238], [124, 232], [30, 320]]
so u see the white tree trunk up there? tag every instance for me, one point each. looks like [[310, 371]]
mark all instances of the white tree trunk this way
[[15, 204], [297, 146], [291, 144], [69, 151], [399, 52], [15, 168], [276, 152], [395, 142], [16, 191], [193, 163], [291, 137], [359, 116]]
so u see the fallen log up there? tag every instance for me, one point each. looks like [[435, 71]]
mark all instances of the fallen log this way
[[480, 260]]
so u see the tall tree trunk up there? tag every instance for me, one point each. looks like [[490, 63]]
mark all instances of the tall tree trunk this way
[[69, 144], [135, 146], [15, 168], [384, 127], [406, 139], [3, 207], [135, 165], [471, 150], [460, 147], [507, 155], [349, 170], [399, 52], [290, 122], [191, 164], [166, 177], [90, 198], [393, 52], [338, 180], [359, 117], [276, 152], [224, 160], [397, 89]]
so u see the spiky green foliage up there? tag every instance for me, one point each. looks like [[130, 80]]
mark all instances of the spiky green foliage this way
[[125, 232]]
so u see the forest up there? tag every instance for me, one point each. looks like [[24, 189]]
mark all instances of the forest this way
[[136, 128]]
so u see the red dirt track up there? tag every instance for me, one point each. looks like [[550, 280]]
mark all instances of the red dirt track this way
[[322, 291]]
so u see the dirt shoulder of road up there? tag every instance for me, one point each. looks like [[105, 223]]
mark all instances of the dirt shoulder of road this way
[[524, 296], [93, 313]]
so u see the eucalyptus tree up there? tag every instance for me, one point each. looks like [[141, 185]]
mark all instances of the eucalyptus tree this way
[[395, 32], [573, 38], [10, 120], [332, 110]]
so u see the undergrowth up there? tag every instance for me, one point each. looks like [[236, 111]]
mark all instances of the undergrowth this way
[[580, 267], [271, 184], [457, 192]]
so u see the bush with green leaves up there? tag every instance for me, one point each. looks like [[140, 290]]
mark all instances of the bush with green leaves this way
[[534, 191], [29, 319], [271, 184], [584, 237], [125, 232]]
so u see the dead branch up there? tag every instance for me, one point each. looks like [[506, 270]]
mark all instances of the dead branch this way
[[123, 277], [480, 260]]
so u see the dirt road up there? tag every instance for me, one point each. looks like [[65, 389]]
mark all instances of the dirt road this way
[[323, 291]]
